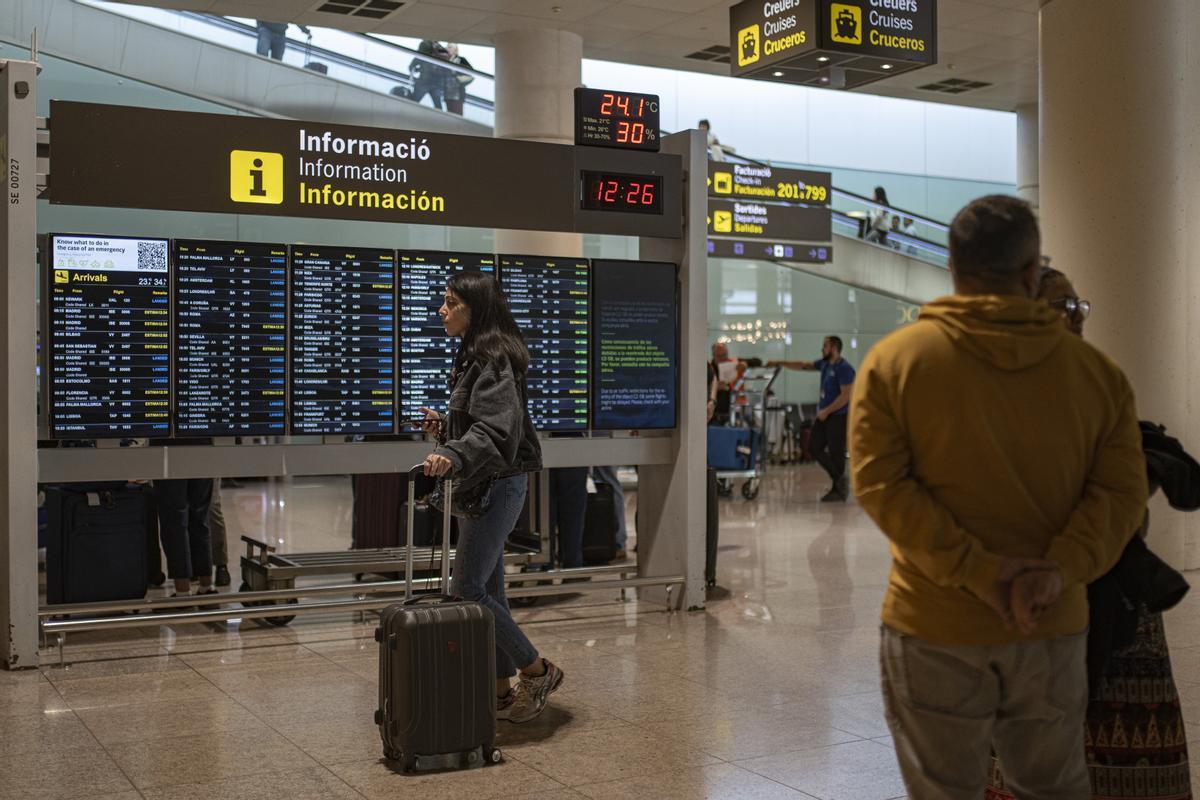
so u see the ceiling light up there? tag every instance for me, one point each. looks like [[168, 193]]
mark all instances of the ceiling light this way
[[886, 66], [777, 74], [822, 59]]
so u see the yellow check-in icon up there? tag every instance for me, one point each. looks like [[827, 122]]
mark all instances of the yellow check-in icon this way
[[723, 182]]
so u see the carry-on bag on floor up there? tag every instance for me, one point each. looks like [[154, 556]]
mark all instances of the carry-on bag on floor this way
[[378, 504], [600, 526], [437, 675], [96, 542]]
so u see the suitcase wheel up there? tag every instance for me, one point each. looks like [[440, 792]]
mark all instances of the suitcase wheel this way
[[494, 756], [750, 489], [408, 764]]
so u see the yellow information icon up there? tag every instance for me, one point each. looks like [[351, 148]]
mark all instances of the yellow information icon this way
[[255, 177], [845, 23], [723, 221], [747, 45], [723, 182], [62, 276]]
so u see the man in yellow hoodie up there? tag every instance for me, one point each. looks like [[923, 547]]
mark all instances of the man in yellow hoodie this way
[[1001, 456]]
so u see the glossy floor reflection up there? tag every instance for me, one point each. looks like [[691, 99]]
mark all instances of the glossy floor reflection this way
[[771, 693]]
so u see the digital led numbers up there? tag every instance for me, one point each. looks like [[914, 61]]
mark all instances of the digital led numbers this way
[[636, 194], [616, 119]]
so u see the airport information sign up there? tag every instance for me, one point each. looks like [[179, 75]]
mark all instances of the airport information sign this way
[[109, 322], [549, 299], [230, 339], [190, 161], [635, 365], [426, 351], [343, 321]]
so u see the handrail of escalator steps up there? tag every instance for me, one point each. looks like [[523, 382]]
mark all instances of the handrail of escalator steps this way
[[331, 56]]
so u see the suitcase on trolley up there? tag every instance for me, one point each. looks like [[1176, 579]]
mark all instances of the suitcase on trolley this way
[[437, 675]]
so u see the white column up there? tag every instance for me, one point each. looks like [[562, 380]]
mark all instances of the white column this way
[[1120, 202], [1027, 153], [537, 71], [18, 329]]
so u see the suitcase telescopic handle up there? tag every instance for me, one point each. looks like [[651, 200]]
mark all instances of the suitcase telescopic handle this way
[[448, 499]]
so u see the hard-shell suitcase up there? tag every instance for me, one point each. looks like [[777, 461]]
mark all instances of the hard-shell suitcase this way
[[96, 543], [733, 449], [437, 674]]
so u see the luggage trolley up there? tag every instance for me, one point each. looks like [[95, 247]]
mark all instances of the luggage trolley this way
[[263, 569], [737, 451]]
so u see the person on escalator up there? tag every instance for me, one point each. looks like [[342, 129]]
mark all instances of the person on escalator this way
[[272, 38], [487, 444], [428, 77], [879, 220]]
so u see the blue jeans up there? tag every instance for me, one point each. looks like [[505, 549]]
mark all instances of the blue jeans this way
[[271, 43], [479, 570], [609, 475], [568, 512]]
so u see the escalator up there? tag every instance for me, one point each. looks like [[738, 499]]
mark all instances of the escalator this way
[[213, 59]]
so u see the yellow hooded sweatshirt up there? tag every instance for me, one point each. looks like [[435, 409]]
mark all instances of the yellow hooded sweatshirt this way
[[984, 430]]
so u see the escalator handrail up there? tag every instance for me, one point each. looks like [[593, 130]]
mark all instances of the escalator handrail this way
[[347, 61], [332, 56]]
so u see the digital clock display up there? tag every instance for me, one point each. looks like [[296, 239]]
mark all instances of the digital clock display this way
[[616, 119], [611, 191]]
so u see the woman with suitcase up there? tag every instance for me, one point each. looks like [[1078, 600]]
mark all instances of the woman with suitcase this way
[[487, 444]]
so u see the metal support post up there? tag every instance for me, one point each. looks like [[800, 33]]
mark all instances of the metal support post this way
[[18, 343], [671, 524]]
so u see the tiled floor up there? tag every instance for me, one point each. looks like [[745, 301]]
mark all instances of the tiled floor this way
[[771, 693]]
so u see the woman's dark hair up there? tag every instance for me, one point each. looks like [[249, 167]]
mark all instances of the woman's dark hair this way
[[492, 332], [881, 196], [1046, 275]]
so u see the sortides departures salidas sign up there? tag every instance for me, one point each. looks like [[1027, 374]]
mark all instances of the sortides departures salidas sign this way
[[248, 165], [831, 43]]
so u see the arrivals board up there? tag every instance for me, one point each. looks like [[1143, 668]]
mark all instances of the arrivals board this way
[[549, 299], [108, 324], [426, 352], [230, 339], [343, 319], [635, 361]]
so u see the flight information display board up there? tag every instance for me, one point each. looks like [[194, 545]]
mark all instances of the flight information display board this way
[[549, 299], [230, 339], [635, 361], [426, 352], [108, 327], [343, 331]]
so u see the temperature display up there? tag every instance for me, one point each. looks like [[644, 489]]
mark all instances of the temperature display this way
[[610, 191], [616, 119]]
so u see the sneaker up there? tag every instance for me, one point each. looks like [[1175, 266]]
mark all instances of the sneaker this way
[[222, 578], [532, 693], [504, 705], [833, 496]]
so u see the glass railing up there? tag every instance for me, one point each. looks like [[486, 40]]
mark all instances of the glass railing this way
[[358, 59]]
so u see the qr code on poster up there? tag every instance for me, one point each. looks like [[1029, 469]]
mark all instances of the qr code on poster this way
[[152, 256]]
